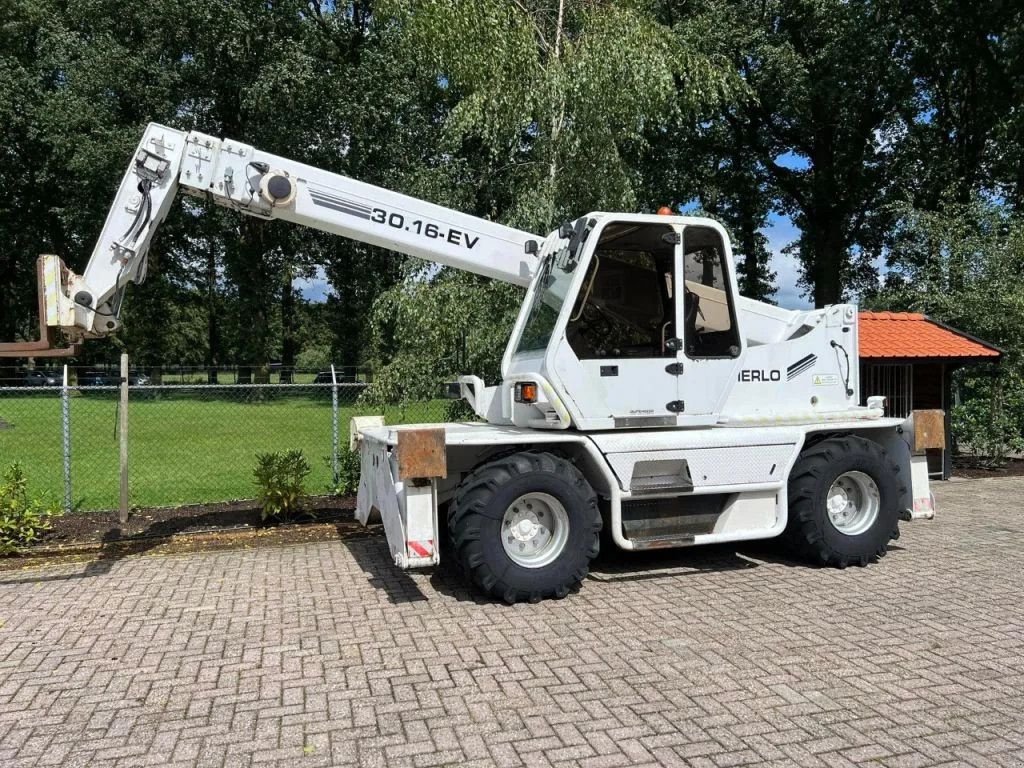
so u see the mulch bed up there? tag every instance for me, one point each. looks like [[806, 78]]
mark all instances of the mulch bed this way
[[97, 527], [189, 528], [969, 467]]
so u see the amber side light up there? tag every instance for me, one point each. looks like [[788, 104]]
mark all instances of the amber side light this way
[[526, 392]]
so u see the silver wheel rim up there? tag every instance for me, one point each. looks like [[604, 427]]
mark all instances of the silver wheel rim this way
[[534, 530], [853, 502]]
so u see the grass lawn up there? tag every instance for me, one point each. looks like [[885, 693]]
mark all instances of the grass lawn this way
[[184, 447]]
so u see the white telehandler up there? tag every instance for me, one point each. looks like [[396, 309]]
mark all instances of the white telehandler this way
[[640, 394]]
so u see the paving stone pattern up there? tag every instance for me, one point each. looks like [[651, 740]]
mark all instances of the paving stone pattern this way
[[324, 654]]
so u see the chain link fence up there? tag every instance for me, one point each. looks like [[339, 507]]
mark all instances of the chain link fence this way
[[187, 443]]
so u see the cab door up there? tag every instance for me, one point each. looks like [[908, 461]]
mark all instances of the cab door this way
[[622, 332], [711, 339]]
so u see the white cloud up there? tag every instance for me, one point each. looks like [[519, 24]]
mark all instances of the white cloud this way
[[787, 273], [316, 288], [780, 233]]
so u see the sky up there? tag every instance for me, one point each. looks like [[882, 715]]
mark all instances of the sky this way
[[316, 288], [780, 233]]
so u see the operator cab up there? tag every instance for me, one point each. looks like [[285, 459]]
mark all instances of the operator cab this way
[[635, 317]]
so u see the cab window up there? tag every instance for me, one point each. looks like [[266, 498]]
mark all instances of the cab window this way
[[625, 305], [709, 327]]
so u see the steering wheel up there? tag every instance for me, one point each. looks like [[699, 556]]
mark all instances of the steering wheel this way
[[596, 337]]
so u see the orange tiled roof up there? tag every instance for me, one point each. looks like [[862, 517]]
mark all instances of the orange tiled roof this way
[[910, 334]]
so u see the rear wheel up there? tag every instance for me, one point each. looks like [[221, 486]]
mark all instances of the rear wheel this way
[[843, 497], [525, 527]]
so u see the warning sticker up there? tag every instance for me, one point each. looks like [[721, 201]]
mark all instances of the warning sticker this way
[[825, 379]]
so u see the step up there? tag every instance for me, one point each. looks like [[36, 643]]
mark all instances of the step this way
[[662, 542]]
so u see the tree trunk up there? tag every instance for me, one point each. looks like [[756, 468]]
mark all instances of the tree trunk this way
[[212, 319], [751, 284], [557, 121], [827, 259], [288, 343], [11, 308], [247, 261]]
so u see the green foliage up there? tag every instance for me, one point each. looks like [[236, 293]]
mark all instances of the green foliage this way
[[831, 90], [281, 479], [526, 112], [459, 410], [314, 357], [989, 422], [560, 98], [435, 328], [552, 113], [23, 520], [349, 465], [966, 61], [962, 265]]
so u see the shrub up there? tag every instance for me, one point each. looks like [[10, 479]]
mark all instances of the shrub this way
[[281, 479], [989, 421], [23, 521], [459, 410], [314, 357], [347, 481]]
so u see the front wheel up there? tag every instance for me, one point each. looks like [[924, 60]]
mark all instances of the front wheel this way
[[525, 527], [843, 502]]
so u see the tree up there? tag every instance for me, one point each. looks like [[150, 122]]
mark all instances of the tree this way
[[1009, 134], [708, 158], [387, 113], [79, 81], [558, 93], [962, 265], [421, 326], [249, 76], [525, 112], [550, 108], [830, 88], [963, 58]]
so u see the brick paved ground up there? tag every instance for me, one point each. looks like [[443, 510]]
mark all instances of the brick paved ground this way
[[323, 654]]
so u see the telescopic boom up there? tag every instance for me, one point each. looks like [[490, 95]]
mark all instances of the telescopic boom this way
[[256, 183]]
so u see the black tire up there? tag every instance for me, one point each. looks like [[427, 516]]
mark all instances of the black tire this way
[[475, 526], [810, 533]]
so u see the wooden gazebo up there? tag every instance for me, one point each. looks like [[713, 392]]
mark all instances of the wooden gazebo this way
[[910, 358]]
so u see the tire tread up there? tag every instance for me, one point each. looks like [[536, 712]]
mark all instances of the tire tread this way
[[470, 505], [803, 534]]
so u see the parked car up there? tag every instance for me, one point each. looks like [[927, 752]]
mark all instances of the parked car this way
[[98, 379], [106, 379], [324, 377], [38, 377]]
